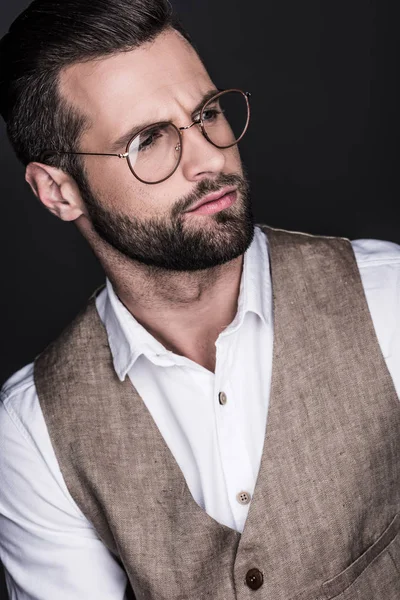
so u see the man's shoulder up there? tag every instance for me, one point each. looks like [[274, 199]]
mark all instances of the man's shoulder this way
[[373, 253], [18, 384], [20, 388], [18, 395], [20, 413], [18, 399], [368, 251]]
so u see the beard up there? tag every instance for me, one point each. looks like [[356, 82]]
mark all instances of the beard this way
[[172, 243]]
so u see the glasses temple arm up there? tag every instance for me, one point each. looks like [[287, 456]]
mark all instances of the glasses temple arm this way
[[48, 153]]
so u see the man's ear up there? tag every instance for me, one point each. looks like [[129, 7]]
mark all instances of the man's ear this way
[[56, 190]]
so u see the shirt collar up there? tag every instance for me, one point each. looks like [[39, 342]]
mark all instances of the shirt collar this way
[[255, 287], [128, 339]]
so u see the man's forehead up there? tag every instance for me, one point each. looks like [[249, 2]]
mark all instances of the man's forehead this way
[[140, 79]]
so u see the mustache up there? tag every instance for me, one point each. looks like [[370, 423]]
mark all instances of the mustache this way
[[207, 186]]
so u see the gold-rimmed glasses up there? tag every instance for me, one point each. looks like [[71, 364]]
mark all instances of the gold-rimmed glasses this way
[[153, 154]]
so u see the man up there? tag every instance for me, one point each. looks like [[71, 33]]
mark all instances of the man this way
[[132, 450]]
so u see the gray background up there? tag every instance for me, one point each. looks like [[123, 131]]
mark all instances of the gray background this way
[[321, 151]]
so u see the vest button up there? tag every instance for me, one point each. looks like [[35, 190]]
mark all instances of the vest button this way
[[254, 579]]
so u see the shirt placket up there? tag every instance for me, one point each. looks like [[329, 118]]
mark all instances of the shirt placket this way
[[235, 460]]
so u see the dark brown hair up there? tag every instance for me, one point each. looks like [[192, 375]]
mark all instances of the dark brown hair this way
[[51, 35]]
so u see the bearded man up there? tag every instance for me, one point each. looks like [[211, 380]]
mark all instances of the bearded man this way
[[222, 419]]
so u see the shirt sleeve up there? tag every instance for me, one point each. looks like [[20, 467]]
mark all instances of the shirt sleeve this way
[[48, 548]]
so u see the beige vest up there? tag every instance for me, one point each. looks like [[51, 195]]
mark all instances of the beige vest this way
[[324, 520]]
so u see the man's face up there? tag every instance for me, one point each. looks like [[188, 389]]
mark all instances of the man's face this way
[[161, 81]]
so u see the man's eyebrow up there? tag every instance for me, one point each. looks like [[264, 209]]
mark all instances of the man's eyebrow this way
[[122, 141], [207, 96]]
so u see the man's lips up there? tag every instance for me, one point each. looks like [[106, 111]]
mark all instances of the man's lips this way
[[214, 202]]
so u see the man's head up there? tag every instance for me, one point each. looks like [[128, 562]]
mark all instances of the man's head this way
[[79, 76]]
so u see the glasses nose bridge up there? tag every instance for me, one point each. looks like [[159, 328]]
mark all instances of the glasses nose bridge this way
[[191, 125], [195, 122]]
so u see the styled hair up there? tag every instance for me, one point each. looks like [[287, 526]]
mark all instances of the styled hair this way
[[49, 36]]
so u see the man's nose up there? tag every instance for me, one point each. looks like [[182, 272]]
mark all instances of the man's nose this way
[[200, 158]]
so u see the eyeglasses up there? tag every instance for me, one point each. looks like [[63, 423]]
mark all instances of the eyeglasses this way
[[154, 153]]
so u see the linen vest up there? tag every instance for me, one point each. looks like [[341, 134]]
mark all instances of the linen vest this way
[[324, 519]]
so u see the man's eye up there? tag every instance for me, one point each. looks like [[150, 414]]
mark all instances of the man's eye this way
[[149, 139], [211, 114]]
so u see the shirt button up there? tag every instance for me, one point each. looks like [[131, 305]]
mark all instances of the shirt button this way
[[223, 398], [254, 579], [243, 498]]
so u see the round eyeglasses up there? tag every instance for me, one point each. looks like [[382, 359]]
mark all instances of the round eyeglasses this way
[[154, 153]]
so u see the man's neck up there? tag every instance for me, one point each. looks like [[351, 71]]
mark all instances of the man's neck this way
[[185, 311]]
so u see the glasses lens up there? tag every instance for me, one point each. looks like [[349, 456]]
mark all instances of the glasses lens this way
[[155, 153], [226, 118]]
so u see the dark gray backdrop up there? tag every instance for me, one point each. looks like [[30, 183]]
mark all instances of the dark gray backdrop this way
[[321, 151]]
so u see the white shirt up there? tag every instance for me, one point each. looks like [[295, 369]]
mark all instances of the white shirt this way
[[48, 547]]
